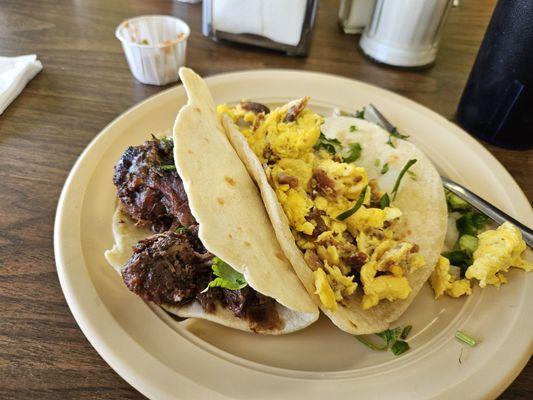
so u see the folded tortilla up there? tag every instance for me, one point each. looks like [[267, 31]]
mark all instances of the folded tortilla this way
[[421, 201], [233, 223]]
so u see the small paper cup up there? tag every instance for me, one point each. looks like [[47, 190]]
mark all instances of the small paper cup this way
[[155, 47]]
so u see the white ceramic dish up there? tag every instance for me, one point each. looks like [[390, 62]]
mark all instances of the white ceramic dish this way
[[167, 359]]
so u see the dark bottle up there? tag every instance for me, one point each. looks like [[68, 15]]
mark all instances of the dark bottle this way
[[497, 102]]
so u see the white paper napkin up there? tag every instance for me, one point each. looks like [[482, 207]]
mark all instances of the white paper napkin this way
[[278, 20], [15, 73]]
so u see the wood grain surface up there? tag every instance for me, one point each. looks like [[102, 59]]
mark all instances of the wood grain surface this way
[[84, 85]]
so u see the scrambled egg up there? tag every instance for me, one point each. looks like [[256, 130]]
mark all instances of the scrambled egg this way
[[443, 282], [314, 186], [498, 250]]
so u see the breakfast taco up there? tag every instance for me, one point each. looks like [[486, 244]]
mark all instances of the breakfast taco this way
[[360, 213], [203, 245]]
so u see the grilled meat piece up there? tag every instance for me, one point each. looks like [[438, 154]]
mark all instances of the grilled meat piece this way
[[169, 268], [260, 310], [149, 187], [174, 268]]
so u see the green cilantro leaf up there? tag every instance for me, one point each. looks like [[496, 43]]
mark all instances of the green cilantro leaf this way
[[360, 113], [168, 167], [226, 277], [167, 142], [394, 133], [393, 340], [385, 169], [399, 347], [324, 143], [405, 332], [353, 128], [390, 335], [354, 153]]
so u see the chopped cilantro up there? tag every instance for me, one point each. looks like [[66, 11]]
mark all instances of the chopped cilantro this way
[[353, 128], [226, 277], [358, 204], [354, 153], [168, 167], [399, 347], [390, 335], [377, 162], [402, 173], [393, 340], [385, 169], [405, 332], [166, 141], [360, 113], [394, 133], [181, 229], [324, 143]]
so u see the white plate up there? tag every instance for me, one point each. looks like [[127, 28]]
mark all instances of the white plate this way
[[167, 359]]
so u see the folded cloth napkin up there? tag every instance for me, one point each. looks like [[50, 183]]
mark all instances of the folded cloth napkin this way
[[15, 73]]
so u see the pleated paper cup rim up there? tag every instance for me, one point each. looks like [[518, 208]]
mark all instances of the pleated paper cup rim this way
[[183, 37]]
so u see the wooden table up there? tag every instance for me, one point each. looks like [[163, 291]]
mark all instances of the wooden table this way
[[84, 85]]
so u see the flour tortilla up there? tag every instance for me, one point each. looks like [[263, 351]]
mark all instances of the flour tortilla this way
[[233, 223], [422, 202], [126, 235]]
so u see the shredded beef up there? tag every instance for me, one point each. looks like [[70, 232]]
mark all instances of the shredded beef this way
[[168, 268], [174, 268], [149, 187], [260, 310]]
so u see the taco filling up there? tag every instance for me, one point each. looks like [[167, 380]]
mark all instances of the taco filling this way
[[345, 226], [172, 267]]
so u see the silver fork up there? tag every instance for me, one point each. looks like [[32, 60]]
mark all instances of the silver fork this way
[[471, 198]]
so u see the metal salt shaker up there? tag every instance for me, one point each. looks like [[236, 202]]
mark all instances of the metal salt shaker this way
[[405, 33]]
